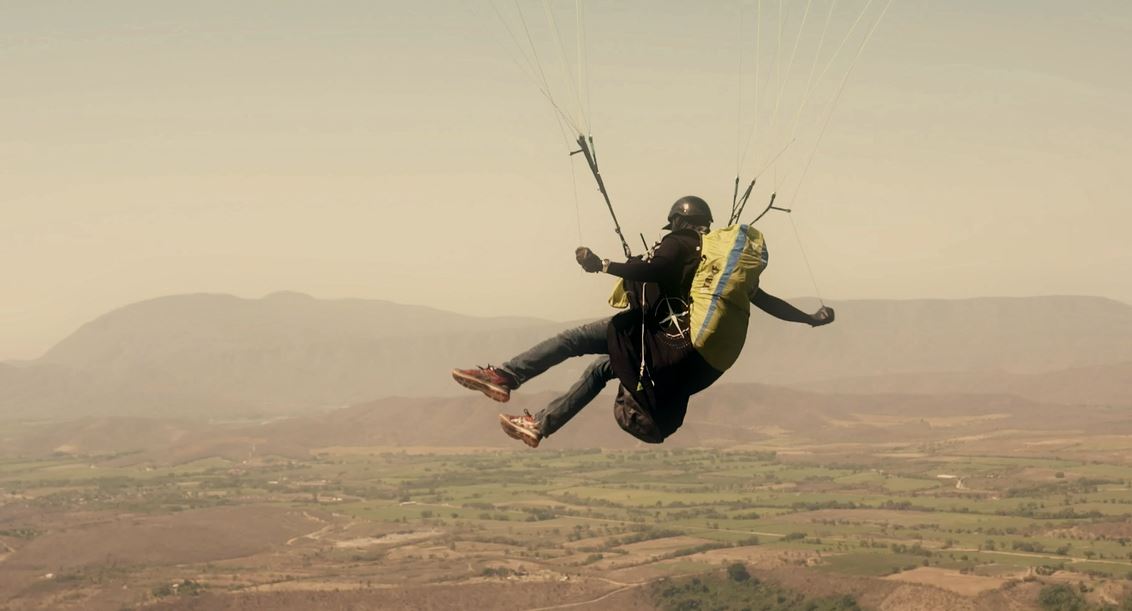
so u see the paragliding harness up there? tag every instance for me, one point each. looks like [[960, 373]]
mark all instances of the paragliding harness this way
[[634, 419], [696, 340]]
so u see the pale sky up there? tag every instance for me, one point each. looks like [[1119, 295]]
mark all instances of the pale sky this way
[[396, 151]]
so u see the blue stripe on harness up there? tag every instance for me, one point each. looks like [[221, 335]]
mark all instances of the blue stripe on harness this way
[[732, 262]]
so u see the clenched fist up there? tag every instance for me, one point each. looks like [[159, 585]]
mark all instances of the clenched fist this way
[[587, 259]]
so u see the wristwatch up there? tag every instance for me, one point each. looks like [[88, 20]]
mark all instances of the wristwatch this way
[[605, 266]]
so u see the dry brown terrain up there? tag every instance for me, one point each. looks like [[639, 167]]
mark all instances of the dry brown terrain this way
[[384, 505]]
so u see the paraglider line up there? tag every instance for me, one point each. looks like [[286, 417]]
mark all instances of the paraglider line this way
[[806, 260], [574, 87], [586, 148], [837, 97], [530, 69]]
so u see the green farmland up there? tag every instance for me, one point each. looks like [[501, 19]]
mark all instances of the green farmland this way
[[374, 516]]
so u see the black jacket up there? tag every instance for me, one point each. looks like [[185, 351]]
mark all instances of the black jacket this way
[[652, 406]]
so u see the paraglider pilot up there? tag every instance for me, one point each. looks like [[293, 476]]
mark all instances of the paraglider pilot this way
[[668, 379]]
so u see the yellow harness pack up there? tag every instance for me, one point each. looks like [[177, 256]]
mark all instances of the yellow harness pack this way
[[732, 258]]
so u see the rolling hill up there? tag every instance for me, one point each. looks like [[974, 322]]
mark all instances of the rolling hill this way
[[724, 416]]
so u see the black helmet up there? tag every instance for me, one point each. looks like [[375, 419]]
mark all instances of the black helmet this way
[[689, 206]]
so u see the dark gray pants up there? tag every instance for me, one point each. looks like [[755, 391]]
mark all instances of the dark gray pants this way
[[589, 338]]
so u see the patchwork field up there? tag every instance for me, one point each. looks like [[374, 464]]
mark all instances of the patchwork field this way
[[891, 528]]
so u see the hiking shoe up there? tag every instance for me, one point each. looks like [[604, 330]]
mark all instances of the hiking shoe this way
[[524, 428], [495, 383]]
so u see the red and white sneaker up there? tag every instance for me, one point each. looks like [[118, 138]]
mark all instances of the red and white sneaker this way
[[495, 383], [524, 428]]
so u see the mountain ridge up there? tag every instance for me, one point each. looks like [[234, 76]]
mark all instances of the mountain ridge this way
[[210, 354]]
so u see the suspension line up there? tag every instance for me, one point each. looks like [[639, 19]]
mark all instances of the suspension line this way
[[586, 147]]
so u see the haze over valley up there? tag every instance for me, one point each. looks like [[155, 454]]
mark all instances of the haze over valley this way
[[243, 245]]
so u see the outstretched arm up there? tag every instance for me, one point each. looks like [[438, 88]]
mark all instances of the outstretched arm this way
[[784, 311], [664, 262]]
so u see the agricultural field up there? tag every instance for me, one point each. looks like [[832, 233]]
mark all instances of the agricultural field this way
[[401, 528]]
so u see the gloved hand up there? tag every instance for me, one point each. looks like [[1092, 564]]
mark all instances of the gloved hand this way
[[587, 259], [823, 316]]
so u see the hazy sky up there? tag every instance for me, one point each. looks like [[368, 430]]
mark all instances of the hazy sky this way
[[396, 151]]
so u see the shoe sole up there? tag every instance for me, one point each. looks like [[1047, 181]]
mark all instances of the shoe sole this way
[[496, 393], [518, 432]]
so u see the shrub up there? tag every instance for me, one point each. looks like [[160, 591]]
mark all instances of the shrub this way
[[738, 572], [1061, 597]]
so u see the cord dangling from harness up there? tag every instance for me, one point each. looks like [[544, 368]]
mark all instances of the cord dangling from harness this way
[[644, 369]]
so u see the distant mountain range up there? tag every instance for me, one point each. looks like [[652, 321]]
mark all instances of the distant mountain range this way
[[219, 356]]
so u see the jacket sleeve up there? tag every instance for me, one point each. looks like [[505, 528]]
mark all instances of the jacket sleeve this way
[[664, 264], [778, 308]]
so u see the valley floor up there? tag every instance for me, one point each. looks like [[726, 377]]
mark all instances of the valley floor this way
[[921, 526]]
